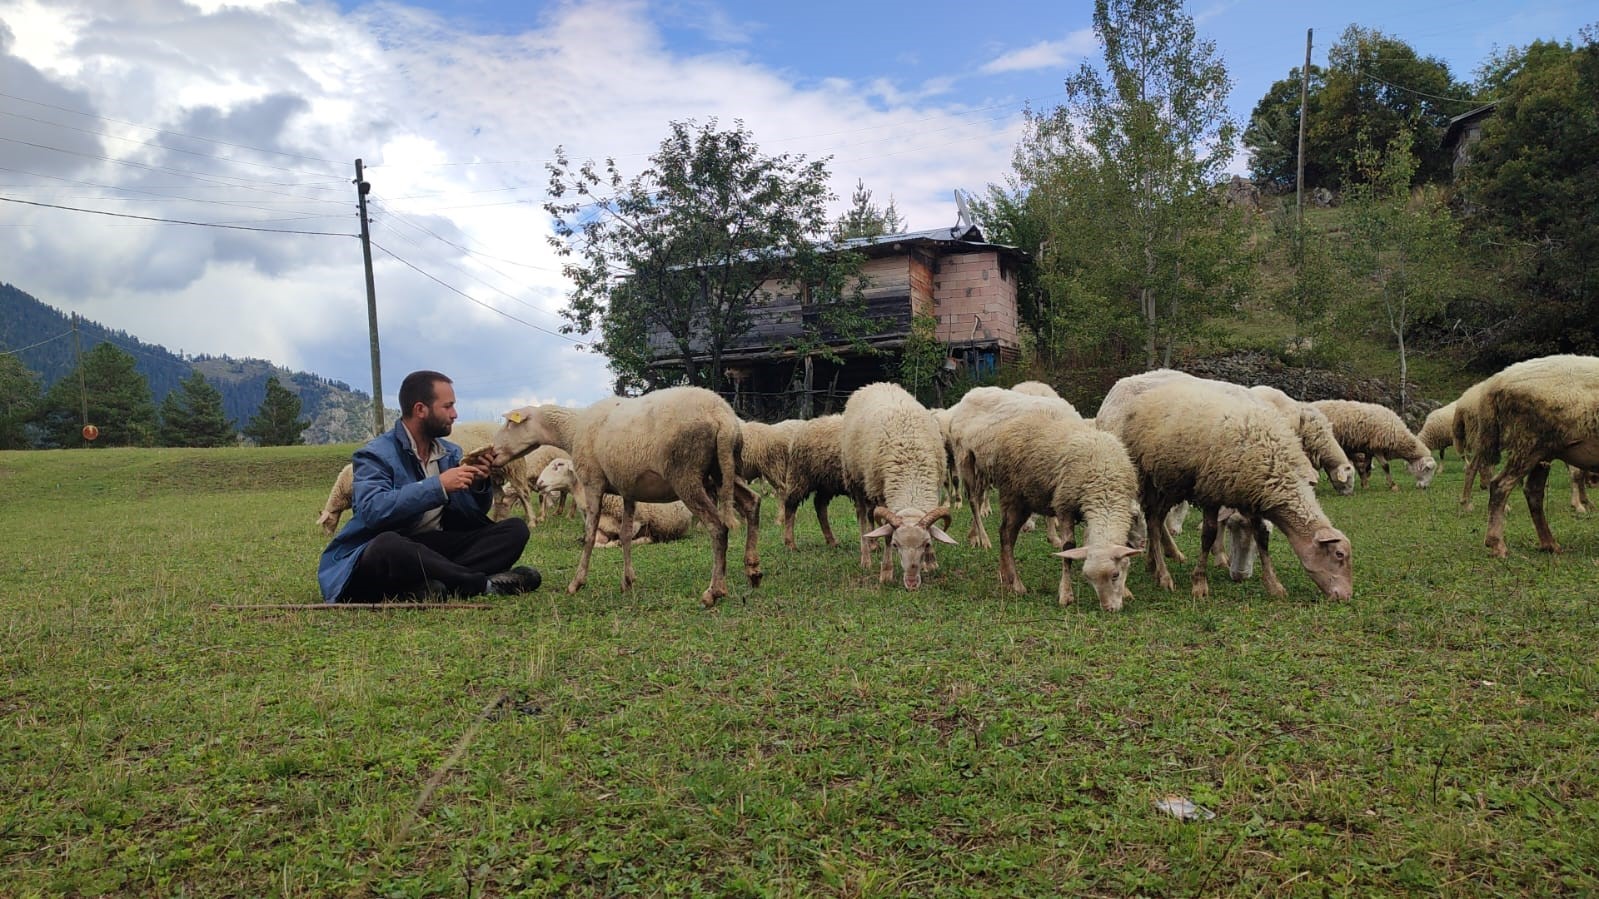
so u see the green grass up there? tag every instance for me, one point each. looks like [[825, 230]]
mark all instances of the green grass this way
[[820, 735]]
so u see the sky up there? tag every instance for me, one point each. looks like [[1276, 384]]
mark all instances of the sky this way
[[247, 118]]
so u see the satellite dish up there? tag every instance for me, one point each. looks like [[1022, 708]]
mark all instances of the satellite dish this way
[[963, 215]]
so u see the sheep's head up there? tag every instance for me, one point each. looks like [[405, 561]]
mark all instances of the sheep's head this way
[[523, 432], [912, 540], [558, 475], [1423, 469], [1326, 557], [329, 522], [1106, 568], [1241, 549], [1343, 478]]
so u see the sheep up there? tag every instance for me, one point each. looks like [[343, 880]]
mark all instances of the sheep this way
[[893, 463], [970, 421], [533, 465], [1463, 430], [1581, 480], [680, 443], [1035, 388], [950, 491], [765, 452], [1378, 432], [1265, 478], [1315, 434], [653, 523], [340, 498], [1069, 469], [1530, 413], [1437, 431], [1242, 548], [814, 467]]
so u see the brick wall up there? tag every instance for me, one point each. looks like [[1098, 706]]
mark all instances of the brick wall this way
[[970, 292]]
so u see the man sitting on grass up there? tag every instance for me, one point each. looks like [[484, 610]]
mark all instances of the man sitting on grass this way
[[419, 526]]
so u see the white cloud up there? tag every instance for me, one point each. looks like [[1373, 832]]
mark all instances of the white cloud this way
[[1045, 54]]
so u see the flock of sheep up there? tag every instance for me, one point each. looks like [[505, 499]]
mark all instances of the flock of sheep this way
[[642, 469]]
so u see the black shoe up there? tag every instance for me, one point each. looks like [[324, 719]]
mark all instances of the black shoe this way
[[521, 579]]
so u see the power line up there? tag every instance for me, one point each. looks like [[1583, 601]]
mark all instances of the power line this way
[[170, 197], [157, 168], [398, 216], [32, 345], [473, 299], [151, 218], [1400, 87]]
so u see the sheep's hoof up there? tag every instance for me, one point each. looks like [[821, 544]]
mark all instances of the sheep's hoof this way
[[1550, 547], [1165, 582], [709, 597], [1017, 587], [572, 588], [1393, 487], [1201, 589], [753, 575], [1276, 589]]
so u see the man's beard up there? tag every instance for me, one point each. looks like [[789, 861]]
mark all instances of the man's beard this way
[[436, 427]]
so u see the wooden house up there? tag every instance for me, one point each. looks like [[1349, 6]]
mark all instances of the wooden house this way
[[965, 283]]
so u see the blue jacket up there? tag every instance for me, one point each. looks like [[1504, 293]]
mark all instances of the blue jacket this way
[[389, 493]]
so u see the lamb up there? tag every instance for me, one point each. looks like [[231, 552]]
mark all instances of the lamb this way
[[680, 443], [893, 463], [970, 422], [653, 523], [340, 498], [1073, 471], [1265, 478], [814, 467], [1530, 413], [765, 452], [1378, 432]]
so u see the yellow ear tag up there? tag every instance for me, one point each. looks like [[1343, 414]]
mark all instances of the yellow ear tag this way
[[514, 417]]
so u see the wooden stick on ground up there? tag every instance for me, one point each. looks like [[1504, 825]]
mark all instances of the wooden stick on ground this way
[[347, 606]]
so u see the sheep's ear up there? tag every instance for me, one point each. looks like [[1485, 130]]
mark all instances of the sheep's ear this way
[[883, 531], [1122, 552], [1076, 553], [939, 535]]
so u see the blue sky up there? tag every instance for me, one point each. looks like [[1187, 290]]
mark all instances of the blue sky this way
[[251, 113]]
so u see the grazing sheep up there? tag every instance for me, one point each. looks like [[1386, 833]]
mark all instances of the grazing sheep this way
[[1437, 432], [814, 467], [1242, 548], [680, 443], [765, 452], [1046, 464], [340, 498], [1464, 432], [1316, 435], [970, 421], [533, 465], [893, 462], [1530, 413], [652, 523], [1379, 433], [1265, 478]]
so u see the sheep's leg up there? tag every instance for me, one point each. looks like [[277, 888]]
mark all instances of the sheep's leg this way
[[1168, 544], [864, 520], [629, 508], [1537, 480], [1200, 579], [591, 530], [1498, 498], [976, 492], [1268, 574], [1155, 528], [1012, 515], [790, 509], [1579, 490], [699, 501], [749, 508], [820, 501], [1065, 527], [1472, 468], [1388, 474]]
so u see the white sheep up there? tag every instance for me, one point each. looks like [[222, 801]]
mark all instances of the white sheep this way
[[1042, 463], [1161, 428], [340, 498], [1531, 413], [1437, 431], [551, 500], [1035, 388], [970, 421], [893, 461], [652, 522], [680, 443], [1315, 435], [764, 452], [1377, 432], [815, 467]]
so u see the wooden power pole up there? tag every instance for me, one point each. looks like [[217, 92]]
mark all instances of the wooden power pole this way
[[1299, 175], [362, 188]]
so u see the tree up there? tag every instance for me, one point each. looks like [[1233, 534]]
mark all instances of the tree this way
[[1272, 136], [865, 218], [1403, 245], [19, 401], [192, 415], [117, 396], [278, 422], [1532, 187], [1122, 178], [671, 266]]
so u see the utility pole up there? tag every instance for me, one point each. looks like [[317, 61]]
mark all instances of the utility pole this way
[[77, 352], [362, 188], [1299, 176]]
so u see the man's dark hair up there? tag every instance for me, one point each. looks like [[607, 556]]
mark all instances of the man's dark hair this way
[[419, 387]]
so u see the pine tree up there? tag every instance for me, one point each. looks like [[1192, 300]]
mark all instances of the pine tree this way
[[19, 400], [278, 422], [865, 218], [118, 399], [192, 415]]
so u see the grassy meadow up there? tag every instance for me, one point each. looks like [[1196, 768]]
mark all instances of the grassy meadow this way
[[821, 735]]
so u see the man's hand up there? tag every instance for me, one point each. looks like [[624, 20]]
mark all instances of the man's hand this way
[[462, 477]]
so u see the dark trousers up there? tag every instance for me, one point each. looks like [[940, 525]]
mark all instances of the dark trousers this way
[[397, 565]]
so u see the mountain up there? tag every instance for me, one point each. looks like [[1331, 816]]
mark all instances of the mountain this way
[[41, 336]]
